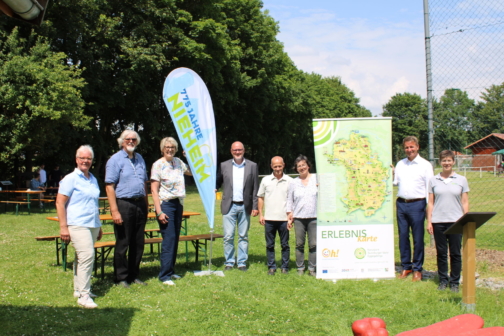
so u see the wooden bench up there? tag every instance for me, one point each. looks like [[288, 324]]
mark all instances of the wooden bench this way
[[17, 205], [149, 233], [42, 200], [103, 249]]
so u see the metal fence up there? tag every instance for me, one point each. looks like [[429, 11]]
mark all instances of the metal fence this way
[[464, 47]]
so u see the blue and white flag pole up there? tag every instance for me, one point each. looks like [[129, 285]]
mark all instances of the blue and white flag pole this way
[[190, 106]]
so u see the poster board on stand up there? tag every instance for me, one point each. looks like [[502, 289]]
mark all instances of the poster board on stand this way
[[355, 233]]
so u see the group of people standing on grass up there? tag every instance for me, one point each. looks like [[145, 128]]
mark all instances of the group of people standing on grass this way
[[280, 201], [441, 199], [126, 187], [283, 202]]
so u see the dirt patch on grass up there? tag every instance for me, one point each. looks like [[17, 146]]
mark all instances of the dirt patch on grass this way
[[488, 262]]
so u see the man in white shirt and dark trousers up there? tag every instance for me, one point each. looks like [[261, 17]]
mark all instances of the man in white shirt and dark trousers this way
[[412, 175], [272, 196]]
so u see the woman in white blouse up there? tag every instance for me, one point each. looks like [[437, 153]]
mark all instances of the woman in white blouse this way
[[168, 193], [302, 211]]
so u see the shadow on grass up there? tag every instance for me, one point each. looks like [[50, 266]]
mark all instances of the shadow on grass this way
[[38, 320]]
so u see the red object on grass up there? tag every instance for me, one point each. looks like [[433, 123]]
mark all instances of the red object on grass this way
[[369, 326], [450, 327], [376, 332], [492, 331], [377, 323]]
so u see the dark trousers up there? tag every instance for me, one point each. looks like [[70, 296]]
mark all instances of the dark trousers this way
[[170, 232], [129, 239], [411, 216], [454, 242], [306, 227], [270, 230]]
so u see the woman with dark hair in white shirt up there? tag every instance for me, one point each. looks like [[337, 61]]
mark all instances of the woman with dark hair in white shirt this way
[[302, 211]]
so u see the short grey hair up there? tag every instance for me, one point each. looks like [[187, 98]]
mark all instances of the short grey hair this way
[[169, 140], [85, 147], [409, 139], [123, 135]]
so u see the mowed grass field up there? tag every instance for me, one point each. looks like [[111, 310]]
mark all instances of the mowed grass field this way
[[36, 295], [487, 194]]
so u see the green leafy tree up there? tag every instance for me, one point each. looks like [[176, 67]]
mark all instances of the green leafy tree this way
[[409, 117], [330, 98], [127, 48], [488, 116], [39, 96], [451, 120]]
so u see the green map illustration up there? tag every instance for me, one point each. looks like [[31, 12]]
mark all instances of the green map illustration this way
[[353, 167]]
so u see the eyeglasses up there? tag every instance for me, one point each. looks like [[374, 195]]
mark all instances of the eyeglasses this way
[[131, 139], [169, 147], [237, 150], [84, 159]]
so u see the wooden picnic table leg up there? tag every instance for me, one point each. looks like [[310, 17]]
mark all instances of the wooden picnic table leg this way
[[200, 247], [64, 255], [102, 263], [197, 247], [57, 251], [185, 232], [205, 248], [96, 259], [28, 198]]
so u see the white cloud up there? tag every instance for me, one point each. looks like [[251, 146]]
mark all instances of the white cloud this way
[[374, 59]]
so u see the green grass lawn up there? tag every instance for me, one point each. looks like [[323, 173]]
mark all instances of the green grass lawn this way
[[487, 194], [36, 295]]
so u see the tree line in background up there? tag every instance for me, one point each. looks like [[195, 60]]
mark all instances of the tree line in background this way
[[458, 120], [95, 68]]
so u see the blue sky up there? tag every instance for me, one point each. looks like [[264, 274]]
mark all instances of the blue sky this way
[[376, 47]]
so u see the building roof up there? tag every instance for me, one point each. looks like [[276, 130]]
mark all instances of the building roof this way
[[485, 141]]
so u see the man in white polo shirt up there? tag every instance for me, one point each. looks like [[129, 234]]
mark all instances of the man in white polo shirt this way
[[272, 196], [412, 175]]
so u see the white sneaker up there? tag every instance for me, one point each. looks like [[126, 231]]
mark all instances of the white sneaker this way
[[169, 282], [76, 294], [176, 277], [86, 302]]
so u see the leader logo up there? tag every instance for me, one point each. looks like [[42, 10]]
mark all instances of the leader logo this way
[[360, 253]]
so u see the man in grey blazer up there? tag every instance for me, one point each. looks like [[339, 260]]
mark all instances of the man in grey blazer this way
[[240, 181]]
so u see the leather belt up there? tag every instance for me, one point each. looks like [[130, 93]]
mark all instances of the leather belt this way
[[400, 199], [132, 199], [239, 203]]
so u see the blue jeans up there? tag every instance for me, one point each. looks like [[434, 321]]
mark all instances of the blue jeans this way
[[443, 242], [411, 215], [170, 232], [236, 216], [270, 230]]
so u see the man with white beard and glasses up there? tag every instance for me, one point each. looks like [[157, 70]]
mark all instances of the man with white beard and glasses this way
[[126, 185]]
